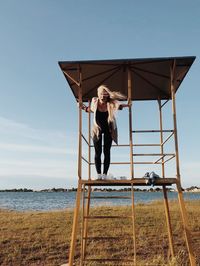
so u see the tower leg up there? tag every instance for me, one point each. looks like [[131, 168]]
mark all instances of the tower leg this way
[[75, 224], [168, 220], [133, 220], [86, 222], [83, 224], [185, 225]]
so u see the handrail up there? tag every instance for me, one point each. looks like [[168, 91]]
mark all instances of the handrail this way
[[115, 163], [121, 145], [153, 154], [147, 144], [152, 131], [134, 145], [146, 163]]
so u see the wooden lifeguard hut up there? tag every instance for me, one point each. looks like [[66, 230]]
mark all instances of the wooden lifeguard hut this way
[[151, 79]]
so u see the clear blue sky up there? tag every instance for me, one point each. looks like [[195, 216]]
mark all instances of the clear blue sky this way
[[38, 114]]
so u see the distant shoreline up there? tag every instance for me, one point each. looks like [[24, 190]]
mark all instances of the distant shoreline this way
[[45, 201], [192, 189]]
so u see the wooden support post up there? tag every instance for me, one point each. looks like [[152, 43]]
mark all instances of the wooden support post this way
[[166, 203], [80, 127], [186, 225], [179, 188], [131, 160], [130, 124], [133, 220], [75, 224], [174, 119], [89, 142], [83, 225]]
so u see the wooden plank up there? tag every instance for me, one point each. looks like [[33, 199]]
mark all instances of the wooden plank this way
[[130, 125], [115, 163], [135, 181], [83, 225], [75, 225], [89, 141], [146, 145], [86, 213], [166, 204], [80, 126], [172, 71], [153, 154], [186, 226], [152, 131], [133, 224]]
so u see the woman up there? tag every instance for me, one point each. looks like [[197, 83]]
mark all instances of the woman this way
[[104, 107]]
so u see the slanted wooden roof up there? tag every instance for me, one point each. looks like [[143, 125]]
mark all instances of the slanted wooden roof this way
[[150, 76]]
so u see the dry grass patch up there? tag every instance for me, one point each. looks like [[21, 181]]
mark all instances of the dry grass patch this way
[[43, 238]]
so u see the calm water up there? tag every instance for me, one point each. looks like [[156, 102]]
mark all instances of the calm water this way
[[44, 201]]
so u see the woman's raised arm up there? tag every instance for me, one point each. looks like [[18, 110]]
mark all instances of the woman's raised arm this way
[[84, 107], [121, 106]]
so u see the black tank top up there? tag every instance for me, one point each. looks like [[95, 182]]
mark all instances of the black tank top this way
[[102, 120]]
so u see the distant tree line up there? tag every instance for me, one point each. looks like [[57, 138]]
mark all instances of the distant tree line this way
[[151, 189], [17, 190]]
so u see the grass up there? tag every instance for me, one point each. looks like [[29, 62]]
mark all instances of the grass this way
[[43, 238]]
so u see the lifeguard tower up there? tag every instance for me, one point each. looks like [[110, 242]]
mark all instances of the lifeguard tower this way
[[157, 80]]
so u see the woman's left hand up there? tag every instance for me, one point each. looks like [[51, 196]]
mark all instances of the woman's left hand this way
[[121, 106]]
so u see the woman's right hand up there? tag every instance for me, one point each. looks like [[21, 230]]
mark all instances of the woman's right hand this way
[[80, 105]]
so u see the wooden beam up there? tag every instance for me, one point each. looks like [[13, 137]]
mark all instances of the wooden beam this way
[[75, 225], [166, 203], [130, 124], [173, 67], [80, 127]]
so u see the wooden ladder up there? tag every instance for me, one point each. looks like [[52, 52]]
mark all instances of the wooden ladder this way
[[86, 217]]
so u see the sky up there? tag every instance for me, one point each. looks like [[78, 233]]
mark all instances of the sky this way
[[38, 113]]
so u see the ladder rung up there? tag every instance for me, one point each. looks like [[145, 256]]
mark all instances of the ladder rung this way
[[125, 260], [151, 131], [106, 217], [153, 154], [145, 145], [106, 237], [109, 197]]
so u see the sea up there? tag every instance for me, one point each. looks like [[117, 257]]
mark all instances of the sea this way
[[48, 201]]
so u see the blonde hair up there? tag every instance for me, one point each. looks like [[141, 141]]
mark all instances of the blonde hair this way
[[112, 104], [114, 95]]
